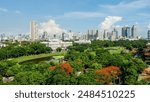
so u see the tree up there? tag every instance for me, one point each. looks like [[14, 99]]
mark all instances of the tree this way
[[28, 78], [88, 78], [59, 49], [109, 74], [4, 66], [57, 77], [12, 71], [1, 80], [129, 74]]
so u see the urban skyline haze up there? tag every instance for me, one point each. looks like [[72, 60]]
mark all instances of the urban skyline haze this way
[[78, 16]]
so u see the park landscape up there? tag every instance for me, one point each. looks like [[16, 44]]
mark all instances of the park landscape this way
[[99, 63]]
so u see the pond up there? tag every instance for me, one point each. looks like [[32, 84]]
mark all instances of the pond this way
[[37, 60]]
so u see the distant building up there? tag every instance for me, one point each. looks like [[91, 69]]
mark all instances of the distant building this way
[[148, 33], [44, 36], [70, 35], [134, 33], [34, 30], [126, 32], [105, 35], [92, 35], [83, 42], [2, 45], [114, 35], [96, 35], [55, 43]]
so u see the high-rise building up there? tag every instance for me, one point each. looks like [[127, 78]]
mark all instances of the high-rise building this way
[[70, 34], [114, 35], [134, 32], [34, 30], [90, 35], [148, 33], [63, 36], [115, 31], [96, 35], [126, 32], [105, 35]]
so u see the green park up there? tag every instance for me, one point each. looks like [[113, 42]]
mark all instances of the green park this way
[[98, 63]]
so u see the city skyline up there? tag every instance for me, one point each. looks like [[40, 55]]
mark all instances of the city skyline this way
[[78, 16]]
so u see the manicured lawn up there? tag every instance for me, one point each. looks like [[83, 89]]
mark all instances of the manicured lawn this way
[[58, 57], [115, 50], [31, 57]]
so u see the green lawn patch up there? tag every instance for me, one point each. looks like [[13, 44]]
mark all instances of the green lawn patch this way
[[115, 50], [32, 57]]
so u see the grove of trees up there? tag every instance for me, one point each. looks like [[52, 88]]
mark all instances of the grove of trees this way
[[15, 50]]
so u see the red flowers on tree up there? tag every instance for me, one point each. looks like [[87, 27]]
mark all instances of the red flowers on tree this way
[[65, 66], [109, 73]]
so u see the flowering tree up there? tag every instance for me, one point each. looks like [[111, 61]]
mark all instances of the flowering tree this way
[[110, 74], [65, 66]]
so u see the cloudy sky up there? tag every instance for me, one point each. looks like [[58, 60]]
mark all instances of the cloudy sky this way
[[75, 15]]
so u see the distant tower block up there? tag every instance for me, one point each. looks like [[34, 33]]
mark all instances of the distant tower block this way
[[34, 30], [134, 32], [148, 35]]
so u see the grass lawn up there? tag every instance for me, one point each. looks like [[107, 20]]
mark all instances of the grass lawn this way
[[115, 50], [58, 57], [26, 58]]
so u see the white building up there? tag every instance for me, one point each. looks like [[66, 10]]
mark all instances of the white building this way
[[83, 42], [56, 43]]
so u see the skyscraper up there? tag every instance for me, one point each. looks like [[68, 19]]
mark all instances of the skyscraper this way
[[126, 32], [70, 34], [148, 33], [105, 35], [34, 30], [134, 32]]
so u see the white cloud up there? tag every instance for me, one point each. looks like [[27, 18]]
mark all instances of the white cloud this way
[[3, 10], [50, 27], [83, 14], [18, 12], [109, 22]]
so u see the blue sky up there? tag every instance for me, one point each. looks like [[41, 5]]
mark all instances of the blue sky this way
[[75, 15]]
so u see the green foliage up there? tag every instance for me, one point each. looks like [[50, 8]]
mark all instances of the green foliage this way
[[1, 81], [4, 66], [96, 66], [15, 50], [28, 78], [59, 49], [131, 70], [142, 82], [57, 77], [85, 59], [87, 79]]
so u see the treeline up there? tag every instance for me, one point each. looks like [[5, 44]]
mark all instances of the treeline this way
[[16, 50], [138, 44]]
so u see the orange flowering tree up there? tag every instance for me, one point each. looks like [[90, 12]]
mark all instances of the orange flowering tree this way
[[109, 74], [65, 66]]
